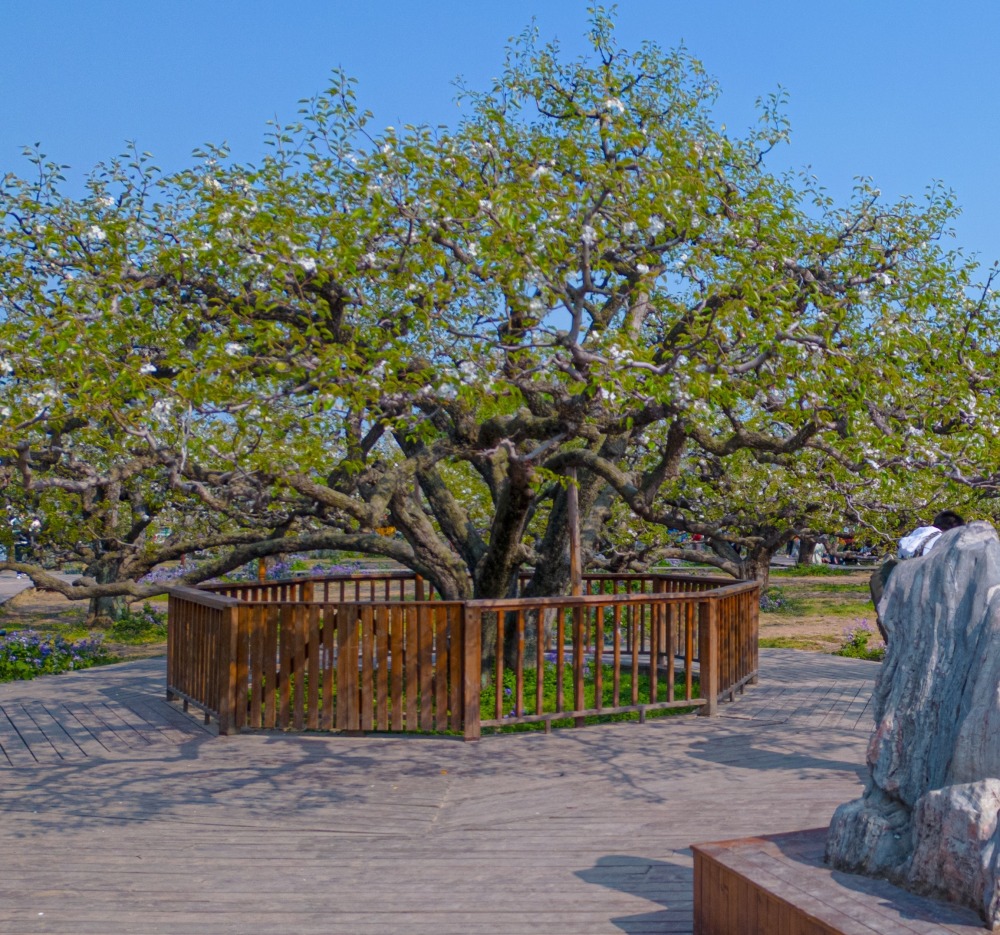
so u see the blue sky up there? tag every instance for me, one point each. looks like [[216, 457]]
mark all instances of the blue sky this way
[[903, 91]]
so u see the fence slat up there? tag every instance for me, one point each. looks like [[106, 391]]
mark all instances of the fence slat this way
[[271, 664], [441, 669], [367, 698], [328, 719], [397, 626], [426, 627], [382, 668]]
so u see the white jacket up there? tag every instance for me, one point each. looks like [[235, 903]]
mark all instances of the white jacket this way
[[919, 542]]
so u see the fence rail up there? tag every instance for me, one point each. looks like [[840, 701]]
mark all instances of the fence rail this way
[[297, 655]]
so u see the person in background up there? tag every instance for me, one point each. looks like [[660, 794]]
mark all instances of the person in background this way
[[924, 538], [914, 545]]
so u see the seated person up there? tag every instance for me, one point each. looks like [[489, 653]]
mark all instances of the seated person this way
[[924, 538], [917, 543]]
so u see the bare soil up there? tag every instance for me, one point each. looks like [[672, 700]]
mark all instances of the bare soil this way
[[817, 610], [50, 612]]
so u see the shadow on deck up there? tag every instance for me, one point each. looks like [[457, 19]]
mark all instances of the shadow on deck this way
[[121, 814]]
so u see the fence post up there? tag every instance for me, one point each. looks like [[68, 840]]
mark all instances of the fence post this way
[[227, 649], [171, 643], [708, 656], [308, 591], [472, 672]]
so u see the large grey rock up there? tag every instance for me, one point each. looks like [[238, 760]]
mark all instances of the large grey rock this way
[[955, 845], [929, 811]]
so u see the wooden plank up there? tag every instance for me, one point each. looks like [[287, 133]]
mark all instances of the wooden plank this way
[[413, 636], [709, 655], [257, 624], [271, 625], [560, 647], [498, 664], [314, 651], [241, 698], [539, 616], [579, 659], [425, 618], [299, 622], [635, 643], [328, 713], [397, 624], [599, 658], [455, 686], [367, 694], [441, 668], [346, 669], [654, 652], [286, 663], [382, 668], [617, 656], [519, 663], [471, 669]]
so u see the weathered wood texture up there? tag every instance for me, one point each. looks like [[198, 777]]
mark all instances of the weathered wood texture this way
[[779, 883], [282, 656], [168, 828]]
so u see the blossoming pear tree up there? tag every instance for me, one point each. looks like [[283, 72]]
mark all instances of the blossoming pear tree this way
[[428, 330]]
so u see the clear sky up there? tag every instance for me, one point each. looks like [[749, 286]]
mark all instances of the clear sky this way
[[904, 91]]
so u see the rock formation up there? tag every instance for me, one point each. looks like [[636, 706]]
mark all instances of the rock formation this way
[[928, 816]]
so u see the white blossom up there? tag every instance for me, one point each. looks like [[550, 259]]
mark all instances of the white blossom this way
[[641, 269], [147, 368], [96, 234], [233, 349], [6, 368], [540, 172], [613, 103], [655, 227], [308, 264], [588, 235], [629, 228]]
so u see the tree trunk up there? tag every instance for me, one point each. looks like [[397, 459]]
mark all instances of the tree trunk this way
[[757, 567], [104, 611], [807, 545]]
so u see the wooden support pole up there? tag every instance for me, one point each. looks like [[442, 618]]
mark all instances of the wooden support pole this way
[[472, 668], [573, 520]]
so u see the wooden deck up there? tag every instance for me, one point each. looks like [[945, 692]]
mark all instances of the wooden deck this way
[[121, 814]]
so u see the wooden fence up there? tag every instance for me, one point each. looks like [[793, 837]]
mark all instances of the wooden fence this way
[[297, 655]]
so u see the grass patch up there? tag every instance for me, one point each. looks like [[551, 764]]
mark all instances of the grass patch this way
[[822, 571], [549, 685], [819, 607], [829, 587], [790, 642], [136, 628]]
